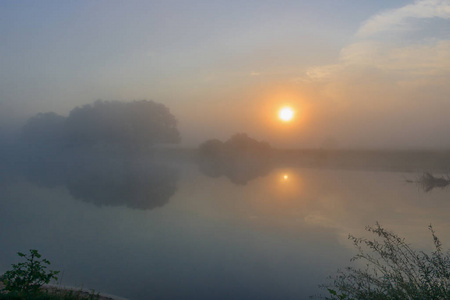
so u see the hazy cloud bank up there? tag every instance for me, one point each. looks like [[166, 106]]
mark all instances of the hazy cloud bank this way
[[390, 86]]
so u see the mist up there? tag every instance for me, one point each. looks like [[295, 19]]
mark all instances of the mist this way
[[373, 80], [144, 152]]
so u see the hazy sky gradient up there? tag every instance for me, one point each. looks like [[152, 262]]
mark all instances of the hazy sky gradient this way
[[359, 73]]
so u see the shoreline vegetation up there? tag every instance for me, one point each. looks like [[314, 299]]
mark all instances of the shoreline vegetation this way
[[429, 169], [373, 160], [30, 280], [390, 268], [406, 161]]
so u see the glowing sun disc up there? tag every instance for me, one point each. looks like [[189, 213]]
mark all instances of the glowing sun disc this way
[[286, 114]]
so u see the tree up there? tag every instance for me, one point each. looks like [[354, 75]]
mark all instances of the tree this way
[[210, 148], [136, 124], [244, 146], [44, 128]]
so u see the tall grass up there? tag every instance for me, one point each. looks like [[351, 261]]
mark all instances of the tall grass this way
[[393, 270]]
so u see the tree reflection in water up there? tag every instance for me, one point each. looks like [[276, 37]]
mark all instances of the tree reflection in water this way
[[106, 182], [240, 158]]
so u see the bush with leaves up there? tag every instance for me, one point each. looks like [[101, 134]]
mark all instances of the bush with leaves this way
[[393, 270], [29, 276]]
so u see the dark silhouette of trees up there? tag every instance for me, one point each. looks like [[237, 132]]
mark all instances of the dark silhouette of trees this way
[[240, 158], [44, 128], [137, 123], [133, 125]]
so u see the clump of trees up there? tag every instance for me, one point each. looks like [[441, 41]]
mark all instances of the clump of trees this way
[[393, 270], [134, 124], [44, 128], [138, 123], [240, 158]]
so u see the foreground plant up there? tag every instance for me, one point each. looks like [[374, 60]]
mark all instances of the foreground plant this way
[[29, 276], [54, 295], [25, 282], [393, 270]]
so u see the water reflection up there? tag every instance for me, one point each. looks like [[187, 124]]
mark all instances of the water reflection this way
[[276, 238], [131, 184], [237, 171], [287, 185], [345, 201], [240, 159], [427, 182], [108, 182], [46, 173]]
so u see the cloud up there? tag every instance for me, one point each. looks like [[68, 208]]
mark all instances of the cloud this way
[[400, 63], [322, 72], [391, 86], [398, 19], [411, 60], [408, 58]]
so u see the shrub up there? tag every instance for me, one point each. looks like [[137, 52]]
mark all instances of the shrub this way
[[28, 277], [393, 270]]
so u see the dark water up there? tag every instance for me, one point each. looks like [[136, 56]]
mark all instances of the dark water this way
[[144, 230]]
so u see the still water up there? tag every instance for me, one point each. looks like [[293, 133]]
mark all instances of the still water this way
[[142, 230]]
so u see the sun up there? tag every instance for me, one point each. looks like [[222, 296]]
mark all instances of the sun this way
[[286, 114]]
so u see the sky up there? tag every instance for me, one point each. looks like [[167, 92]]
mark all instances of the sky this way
[[358, 74]]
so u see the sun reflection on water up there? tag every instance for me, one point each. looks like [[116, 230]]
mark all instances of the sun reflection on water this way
[[288, 185], [280, 200]]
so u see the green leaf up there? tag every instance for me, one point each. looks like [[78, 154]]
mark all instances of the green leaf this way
[[332, 292]]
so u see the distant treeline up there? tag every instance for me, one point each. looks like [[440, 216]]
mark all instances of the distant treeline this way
[[371, 160]]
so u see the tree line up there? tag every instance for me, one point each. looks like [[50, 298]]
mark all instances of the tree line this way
[[134, 124]]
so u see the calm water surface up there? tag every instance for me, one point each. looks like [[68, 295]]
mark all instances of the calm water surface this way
[[175, 233]]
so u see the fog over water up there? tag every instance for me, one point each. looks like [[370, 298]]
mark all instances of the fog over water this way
[[163, 224], [220, 149]]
